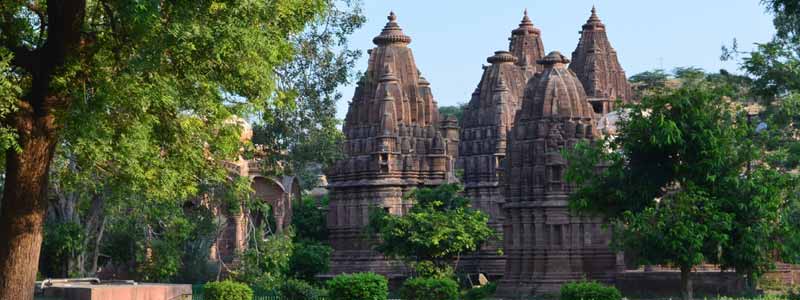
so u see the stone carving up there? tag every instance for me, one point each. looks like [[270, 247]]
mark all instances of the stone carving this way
[[596, 65], [393, 143], [545, 244], [487, 118]]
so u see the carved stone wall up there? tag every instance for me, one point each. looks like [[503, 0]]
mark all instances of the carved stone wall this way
[[487, 118], [393, 143], [545, 244], [596, 64]]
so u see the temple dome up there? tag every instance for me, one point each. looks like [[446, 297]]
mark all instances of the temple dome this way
[[556, 92], [392, 33], [501, 57]]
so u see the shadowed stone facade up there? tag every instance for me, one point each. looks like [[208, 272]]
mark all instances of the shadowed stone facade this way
[[545, 244], [487, 118], [393, 144], [595, 63]]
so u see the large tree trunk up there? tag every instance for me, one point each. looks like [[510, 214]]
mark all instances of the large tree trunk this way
[[24, 205], [25, 194], [686, 283]]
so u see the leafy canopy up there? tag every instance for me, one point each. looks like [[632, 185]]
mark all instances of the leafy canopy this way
[[681, 182], [438, 228]]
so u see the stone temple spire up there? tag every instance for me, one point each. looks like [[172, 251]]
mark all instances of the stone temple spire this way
[[545, 244], [393, 144], [487, 118], [526, 44], [596, 64]]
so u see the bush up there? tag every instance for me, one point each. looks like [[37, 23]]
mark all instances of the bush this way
[[359, 286], [309, 259], [429, 289], [294, 289], [480, 293], [227, 290], [589, 290]]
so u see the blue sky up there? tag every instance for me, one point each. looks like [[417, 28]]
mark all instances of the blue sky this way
[[451, 39]]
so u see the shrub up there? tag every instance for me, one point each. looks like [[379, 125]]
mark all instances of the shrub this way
[[480, 293], [359, 286], [309, 259], [430, 289], [294, 289], [227, 290], [589, 290]]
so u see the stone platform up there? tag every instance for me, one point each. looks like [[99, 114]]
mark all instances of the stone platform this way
[[87, 290]]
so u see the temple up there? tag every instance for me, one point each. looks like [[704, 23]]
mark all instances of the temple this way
[[487, 118], [545, 244], [595, 63], [393, 143]]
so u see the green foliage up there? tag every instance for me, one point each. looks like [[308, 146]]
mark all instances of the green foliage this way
[[774, 64], [61, 242], [589, 290], [682, 184], [650, 80], [265, 263], [456, 111], [165, 253], [420, 288], [358, 286], [684, 229], [236, 193], [439, 227], [307, 127], [480, 293], [308, 218], [309, 259], [10, 89], [227, 290], [294, 289], [682, 136]]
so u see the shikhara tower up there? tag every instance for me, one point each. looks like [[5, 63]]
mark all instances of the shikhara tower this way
[[545, 244], [487, 118], [595, 63], [393, 144]]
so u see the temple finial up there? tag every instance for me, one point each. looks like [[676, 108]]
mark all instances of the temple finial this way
[[391, 33], [526, 21], [526, 25], [594, 20]]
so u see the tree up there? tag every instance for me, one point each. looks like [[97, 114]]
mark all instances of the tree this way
[[456, 111], [305, 135], [438, 229], [308, 219], [649, 80], [157, 79], [683, 230], [773, 67], [681, 167]]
